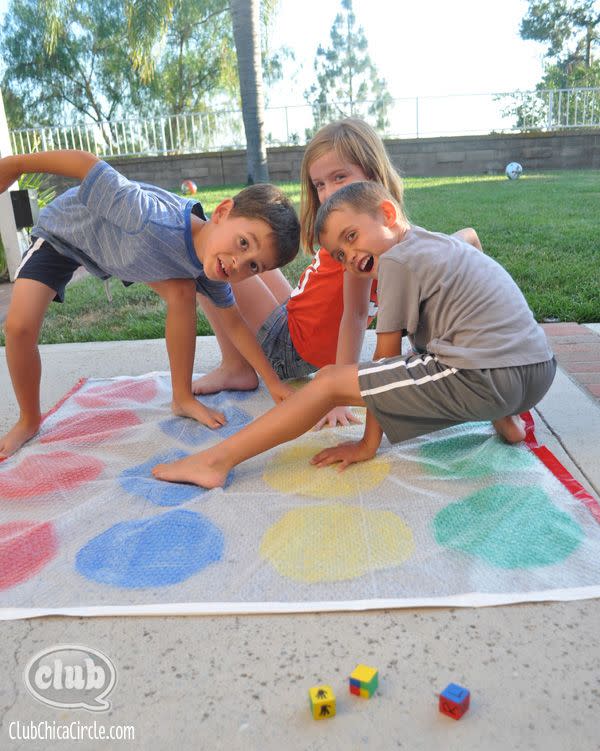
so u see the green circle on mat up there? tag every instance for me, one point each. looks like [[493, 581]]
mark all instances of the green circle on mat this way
[[508, 526], [473, 455]]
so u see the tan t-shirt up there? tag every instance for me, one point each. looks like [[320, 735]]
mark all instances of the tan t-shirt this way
[[457, 303]]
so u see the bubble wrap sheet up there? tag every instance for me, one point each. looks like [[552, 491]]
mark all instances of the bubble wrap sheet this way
[[453, 518]]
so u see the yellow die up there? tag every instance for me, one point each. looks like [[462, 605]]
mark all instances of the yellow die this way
[[322, 702], [364, 681]]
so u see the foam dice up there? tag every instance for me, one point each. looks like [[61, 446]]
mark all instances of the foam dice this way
[[322, 702], [454, 701], [364, 681]]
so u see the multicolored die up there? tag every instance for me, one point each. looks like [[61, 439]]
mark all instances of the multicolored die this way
[[454, 701], [322, 702], [364, 681]]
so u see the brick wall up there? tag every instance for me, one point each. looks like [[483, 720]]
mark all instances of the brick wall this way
[[460, 155]]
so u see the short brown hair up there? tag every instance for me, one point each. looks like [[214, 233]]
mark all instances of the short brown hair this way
[[363, 197], [265, 201]]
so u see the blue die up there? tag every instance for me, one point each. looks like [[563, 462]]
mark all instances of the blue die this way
[[454, 701]]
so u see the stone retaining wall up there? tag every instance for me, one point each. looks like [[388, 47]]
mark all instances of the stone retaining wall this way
[[461, 155]]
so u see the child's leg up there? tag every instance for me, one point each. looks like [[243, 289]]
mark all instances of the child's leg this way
[[332, 386], [278, 285], [256, 302], [468, 235], [511, 428], [30, 300], [530, 385]]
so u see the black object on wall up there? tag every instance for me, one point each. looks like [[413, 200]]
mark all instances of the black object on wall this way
[[25, 207]]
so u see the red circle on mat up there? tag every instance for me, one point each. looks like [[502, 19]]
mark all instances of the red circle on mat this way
[[25, 547], [104, 396], [98, 425], [44, 473]]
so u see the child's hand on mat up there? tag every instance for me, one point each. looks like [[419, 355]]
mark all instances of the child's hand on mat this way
[[341, 415], [346, 454], [197, 411]]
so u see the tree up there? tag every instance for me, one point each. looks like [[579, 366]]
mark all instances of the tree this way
[[148, 22], [197, 59], [570, 29], [347, 77], [246, 31], [86, 74]]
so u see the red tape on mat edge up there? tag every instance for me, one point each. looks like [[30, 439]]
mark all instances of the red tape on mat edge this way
[[561, 473]]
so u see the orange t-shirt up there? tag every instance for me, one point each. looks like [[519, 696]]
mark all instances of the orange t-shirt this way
[[315, 310]]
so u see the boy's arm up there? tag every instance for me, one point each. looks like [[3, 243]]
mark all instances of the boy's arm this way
[[389, 344], [180, 336], [67, 162], [357, 293], [245, 342]]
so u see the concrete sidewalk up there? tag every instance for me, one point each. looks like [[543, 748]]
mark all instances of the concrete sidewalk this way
[[241, 682]]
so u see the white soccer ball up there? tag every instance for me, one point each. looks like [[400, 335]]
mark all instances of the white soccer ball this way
[[513, 171]]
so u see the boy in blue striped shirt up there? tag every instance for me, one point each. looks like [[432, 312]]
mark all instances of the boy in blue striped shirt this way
[[141, 233]]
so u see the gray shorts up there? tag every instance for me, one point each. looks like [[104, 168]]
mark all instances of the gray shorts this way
[[414, 395], [276, 342]]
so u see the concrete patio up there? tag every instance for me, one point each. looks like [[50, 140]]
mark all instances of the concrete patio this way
[[241, 682]]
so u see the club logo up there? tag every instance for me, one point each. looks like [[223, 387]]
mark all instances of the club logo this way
[[71, 677]]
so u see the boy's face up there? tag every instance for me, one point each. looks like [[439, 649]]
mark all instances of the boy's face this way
[[357, 240], [237, 247]]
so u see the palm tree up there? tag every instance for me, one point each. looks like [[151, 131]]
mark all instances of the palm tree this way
[[148, 20], [245, 16]]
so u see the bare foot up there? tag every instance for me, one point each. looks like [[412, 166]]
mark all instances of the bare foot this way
[[197, 411], [197, 469], [511, 428], [19, 434], [223, 379]]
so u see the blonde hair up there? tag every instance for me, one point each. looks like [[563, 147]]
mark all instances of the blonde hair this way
[[356, 142]]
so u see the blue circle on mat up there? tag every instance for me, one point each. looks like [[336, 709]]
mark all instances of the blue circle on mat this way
[[139, 481], [193, 433], [218, 400], [155, 552]]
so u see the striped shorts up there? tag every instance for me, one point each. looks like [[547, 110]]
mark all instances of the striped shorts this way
[[418, 394]]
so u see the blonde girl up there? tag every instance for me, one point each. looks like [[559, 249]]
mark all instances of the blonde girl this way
[[322, 320]]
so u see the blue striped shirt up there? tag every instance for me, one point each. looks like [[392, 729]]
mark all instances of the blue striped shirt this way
[[134, 232]]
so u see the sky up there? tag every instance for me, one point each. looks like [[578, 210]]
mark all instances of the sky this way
[[421, 47]]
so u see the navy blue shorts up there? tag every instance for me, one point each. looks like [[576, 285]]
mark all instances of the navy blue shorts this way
[[44, 264]]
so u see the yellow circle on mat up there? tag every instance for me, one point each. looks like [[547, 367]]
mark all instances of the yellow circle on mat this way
[[290, 472], [335, 543]]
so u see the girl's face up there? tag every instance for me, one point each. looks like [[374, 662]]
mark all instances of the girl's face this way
[[328, 174]]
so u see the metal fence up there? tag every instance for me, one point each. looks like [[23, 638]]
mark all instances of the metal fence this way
[[414, 117]]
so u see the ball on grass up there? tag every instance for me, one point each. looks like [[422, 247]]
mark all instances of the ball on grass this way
[[513, 171], [189, 187]]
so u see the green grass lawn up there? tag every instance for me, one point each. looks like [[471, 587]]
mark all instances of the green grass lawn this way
[[543, 228]]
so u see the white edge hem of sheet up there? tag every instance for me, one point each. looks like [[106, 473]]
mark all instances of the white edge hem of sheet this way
[[468, 600]]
